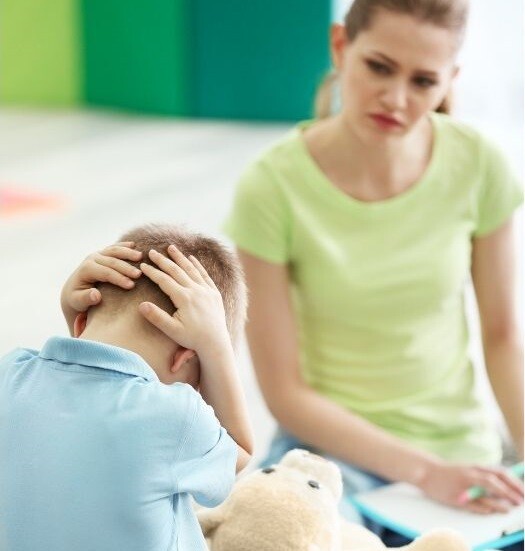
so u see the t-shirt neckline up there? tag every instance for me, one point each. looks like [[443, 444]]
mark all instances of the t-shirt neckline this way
[[330, 191]]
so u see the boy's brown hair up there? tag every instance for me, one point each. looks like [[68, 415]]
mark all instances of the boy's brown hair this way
[[221, 264]]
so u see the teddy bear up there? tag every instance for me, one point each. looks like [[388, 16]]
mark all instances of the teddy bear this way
[[292, 506]]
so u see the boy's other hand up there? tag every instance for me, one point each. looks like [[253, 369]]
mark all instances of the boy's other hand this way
[[109, 265], [199, 322]]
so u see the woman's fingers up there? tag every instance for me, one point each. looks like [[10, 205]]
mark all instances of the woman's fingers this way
[[488, 505], [510, 480], [169, 325], [500, 486], [478, 508]]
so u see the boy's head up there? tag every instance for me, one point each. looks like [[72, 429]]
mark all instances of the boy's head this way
[[120, 306]]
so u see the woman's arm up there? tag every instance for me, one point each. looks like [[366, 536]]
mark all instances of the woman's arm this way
[[317, 421], [493, 274]]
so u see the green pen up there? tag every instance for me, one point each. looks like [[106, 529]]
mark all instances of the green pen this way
[[475, 492]]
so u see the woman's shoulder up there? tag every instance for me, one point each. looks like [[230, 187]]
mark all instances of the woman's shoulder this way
[[458, 131], [466, 145], [283, 155]]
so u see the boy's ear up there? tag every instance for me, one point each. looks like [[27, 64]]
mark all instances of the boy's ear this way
[[79, 324], [180, 357]]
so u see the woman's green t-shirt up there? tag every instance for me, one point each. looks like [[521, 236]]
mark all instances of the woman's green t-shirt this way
[[378, 287]]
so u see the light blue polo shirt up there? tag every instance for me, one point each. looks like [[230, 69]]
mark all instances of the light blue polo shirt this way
[[96, 454]]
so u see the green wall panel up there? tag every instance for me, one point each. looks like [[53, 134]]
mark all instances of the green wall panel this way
[[39, 52], [260, 59], [136, 55]]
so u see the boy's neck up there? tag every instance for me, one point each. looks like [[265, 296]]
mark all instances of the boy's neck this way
[[128, 336]]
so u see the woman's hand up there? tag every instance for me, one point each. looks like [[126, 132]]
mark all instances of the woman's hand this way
[[110, 265], [447, 482], [199, 322]]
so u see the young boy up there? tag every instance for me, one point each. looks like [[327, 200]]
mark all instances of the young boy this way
[[101, 446]]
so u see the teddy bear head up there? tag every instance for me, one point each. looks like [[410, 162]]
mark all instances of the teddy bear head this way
[[290, 505]]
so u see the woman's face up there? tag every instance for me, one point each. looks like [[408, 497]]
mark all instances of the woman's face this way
[[393, 73]]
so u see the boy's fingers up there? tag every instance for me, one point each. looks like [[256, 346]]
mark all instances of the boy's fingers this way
[[202, 270], [184, 263], [171, 268], [104, 274], [83, 299], [121, 266], [122, 251], [167, 284], [160, 319]]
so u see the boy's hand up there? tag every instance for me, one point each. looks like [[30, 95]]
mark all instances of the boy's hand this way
[[199, 322], [109, 265]]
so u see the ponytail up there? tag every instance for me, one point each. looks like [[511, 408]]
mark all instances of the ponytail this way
[[324, 97], [447, 104]]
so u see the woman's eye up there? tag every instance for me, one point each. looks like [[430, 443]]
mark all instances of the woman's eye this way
[[424, 82], [377, 67]]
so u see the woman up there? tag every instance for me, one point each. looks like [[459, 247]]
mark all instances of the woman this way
[[358, 233]]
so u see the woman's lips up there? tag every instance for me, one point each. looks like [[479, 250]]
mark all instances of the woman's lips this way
[[384, 121]]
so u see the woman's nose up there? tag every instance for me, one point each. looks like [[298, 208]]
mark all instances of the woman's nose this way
[[395, 96]]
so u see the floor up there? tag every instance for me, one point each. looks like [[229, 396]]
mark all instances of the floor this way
[[111, 172]]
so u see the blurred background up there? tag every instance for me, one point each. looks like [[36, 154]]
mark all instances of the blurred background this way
[[115, 113]]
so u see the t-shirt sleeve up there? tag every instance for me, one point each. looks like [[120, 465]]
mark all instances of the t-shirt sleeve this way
[[206, 465], [258, 222], [500, 192]]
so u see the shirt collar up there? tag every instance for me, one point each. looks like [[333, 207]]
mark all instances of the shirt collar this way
[[69, 350]]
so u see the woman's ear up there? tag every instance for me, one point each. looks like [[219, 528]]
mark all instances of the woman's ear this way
[[338, 41], [79, 324]]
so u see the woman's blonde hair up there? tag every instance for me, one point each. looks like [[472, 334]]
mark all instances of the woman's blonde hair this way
[[449, 14]]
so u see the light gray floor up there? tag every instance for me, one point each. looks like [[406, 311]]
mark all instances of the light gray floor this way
[[114, 172]]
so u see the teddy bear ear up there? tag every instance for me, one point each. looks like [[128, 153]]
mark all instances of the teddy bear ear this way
[[209, 519]]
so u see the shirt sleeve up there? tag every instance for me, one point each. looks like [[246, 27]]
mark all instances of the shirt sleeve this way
[[258, 222], [500, 192], [206, 465]]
